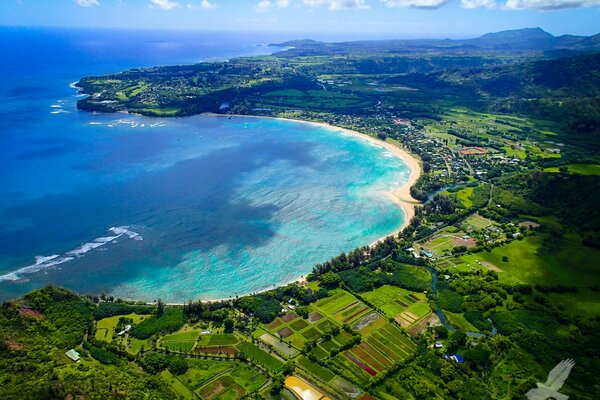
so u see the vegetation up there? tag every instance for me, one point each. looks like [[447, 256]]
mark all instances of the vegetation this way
[[497, 267]]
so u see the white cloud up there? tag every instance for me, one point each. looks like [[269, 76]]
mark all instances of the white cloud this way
[[337, 4], [478, 3], [548, 4], [87, 3], [265, 5], [207, 5], [415, 3], [164, 4]]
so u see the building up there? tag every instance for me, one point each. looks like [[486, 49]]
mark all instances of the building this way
[[73, 355]]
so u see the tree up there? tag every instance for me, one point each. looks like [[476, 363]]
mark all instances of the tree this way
[[457, 340], [160, 308], [228, 324], [178, 366], [330, 280]]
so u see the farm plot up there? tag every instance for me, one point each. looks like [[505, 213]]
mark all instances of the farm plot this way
[[380, 350], [261, 357], [406, 307], [342, 307], [181, 341], [316, 369], [476, 222], [281, 347], [224, 387], [233, 385], [202, 371]]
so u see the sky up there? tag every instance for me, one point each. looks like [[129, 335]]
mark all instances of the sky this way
[[314, 18]]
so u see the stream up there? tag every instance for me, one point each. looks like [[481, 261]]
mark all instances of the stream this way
[[438, 311]]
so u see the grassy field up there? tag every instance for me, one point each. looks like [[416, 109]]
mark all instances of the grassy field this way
[[569, 264], [315, 369], [105, 328], [177, 386], [581, 169], [405, 306], [476, 222], [180, 341], [233, 385], [261, 357], [201, 371]]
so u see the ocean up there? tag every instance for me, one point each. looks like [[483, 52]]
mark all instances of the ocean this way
[[143, 208]]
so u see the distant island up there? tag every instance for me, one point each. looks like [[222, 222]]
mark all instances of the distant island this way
[[491, 284]]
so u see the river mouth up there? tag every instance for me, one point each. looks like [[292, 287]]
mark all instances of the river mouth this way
[[217, 207]]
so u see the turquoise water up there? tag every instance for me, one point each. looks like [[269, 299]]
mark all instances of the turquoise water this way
[[183, 208]]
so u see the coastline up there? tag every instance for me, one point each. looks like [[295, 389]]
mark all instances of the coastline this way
[[400, 196]]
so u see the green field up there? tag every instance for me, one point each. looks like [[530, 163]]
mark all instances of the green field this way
[[261, 357], [233, 385], [177, 386], [201, 371], [219, 339], [396, 302], [581, 169], [476, 222], [316, 369], [105, 328], [570, 264]]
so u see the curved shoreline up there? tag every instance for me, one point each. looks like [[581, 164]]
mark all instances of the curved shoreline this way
[[400, 196]]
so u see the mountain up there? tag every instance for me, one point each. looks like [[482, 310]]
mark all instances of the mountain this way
[[527, 39]]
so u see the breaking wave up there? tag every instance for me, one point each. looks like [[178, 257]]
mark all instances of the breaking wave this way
[[44, 262]]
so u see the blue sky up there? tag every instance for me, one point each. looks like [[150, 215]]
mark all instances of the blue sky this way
[[351, 18]]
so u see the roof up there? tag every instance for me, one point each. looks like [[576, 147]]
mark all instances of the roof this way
[[458, 358], [73, 355]]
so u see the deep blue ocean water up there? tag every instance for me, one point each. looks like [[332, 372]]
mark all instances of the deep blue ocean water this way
[[184, 208]]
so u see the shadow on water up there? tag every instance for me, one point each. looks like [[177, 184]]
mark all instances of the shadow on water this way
[[193, 205]]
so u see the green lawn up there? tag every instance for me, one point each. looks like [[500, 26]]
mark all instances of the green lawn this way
[[477, 222], [137, 344], [582, 169], [181, 336], [571, 263], [105, 328], [464, 196], [222, 339]]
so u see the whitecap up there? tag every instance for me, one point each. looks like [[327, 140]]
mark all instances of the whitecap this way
[[44, 262], [38, 266]]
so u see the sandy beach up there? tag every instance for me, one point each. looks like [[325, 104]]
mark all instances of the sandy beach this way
[[400, 196]]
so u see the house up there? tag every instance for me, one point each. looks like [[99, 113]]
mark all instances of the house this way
[[127, 328], [73, 355], [457, 358], [427, 253]]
